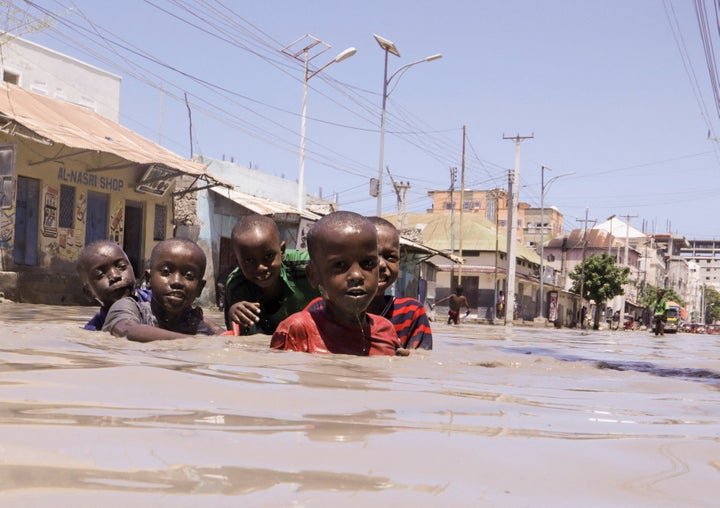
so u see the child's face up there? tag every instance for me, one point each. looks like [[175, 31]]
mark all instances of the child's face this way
[[259, 253], [176, 277], [109, 274], [388, 257], [346, 271]]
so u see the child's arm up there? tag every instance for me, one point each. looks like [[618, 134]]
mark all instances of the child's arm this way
[[143, 333], [213, 326], [441, 300], [125, 319]]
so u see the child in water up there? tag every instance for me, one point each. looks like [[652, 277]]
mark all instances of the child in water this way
[[344, 266], [270, 282], [457, 301], [106, 276], [177, 267], [407, 314]]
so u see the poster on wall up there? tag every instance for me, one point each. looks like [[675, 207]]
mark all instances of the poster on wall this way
[[50, 217], [553, 307]]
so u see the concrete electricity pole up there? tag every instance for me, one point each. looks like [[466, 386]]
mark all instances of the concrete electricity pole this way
[[625, 262], [513, 194], [582, 267]]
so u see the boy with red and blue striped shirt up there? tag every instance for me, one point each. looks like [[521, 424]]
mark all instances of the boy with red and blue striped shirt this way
[[407, 315]]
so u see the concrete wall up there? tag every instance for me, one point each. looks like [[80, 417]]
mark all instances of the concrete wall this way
[[50, 73], [53, 279]]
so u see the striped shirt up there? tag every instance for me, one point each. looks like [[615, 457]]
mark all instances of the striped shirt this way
[[410, 320]]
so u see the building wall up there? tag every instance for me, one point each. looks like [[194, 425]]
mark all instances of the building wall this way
[[42, 70], [534, 229], [479, 281], [52, 277], [491, 204], [706, 253], [254, 182]]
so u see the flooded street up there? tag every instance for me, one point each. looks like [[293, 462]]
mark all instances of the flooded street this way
[[493, 416]]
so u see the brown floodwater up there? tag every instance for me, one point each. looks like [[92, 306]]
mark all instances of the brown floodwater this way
[[493, 416]]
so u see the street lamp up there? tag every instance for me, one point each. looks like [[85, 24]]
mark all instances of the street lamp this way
[[303, 55], [543, 187], [389, 47]]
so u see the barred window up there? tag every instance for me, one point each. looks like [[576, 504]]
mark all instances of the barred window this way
[[67, 206], [160, 222], [7, 170]]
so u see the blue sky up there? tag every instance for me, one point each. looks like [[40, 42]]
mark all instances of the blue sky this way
[[615, 92]]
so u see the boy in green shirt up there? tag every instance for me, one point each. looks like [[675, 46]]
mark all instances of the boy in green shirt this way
[[270, 282], [660, 307]]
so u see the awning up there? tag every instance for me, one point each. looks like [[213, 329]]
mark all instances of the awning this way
[[470, 269], [406, 242], [263, 206], [51, 121]]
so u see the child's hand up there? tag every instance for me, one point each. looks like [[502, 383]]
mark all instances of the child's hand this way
[[245, 313], [401, 351]]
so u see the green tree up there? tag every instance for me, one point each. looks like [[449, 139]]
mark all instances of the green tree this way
[[601, 279], [650, 296], [712, 305]]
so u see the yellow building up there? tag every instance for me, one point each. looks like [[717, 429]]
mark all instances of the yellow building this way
[[491, 204], [69, 176]]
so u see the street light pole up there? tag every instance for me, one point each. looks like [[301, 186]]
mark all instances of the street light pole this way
[[304, 55], [543, 187], [389, 47]]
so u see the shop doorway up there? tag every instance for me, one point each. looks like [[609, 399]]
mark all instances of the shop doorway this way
[[27, 207], [96, 226], [133, 235]]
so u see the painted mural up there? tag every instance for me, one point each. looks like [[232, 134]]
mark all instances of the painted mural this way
[[117, 224], [50, 211], [7, 224]]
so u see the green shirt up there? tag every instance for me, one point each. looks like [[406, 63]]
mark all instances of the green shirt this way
[[296, 293], [660, 306]]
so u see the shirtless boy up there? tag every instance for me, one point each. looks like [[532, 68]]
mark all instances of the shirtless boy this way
[[457, 301]]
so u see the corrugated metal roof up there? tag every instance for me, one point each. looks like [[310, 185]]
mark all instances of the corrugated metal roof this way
[[52, 121], [476, 233], [263, 206]]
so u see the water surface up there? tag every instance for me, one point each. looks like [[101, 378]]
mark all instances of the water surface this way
[[493, 416]]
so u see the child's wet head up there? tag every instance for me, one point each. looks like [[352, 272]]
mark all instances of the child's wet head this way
[[105, 272]]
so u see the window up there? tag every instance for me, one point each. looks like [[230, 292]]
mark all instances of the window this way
[[467, 206], [448, 205], [11, 77], [67, 206], [7, 170], [160, 222]]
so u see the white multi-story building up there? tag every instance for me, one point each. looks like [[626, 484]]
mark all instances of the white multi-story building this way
[[47, 72]]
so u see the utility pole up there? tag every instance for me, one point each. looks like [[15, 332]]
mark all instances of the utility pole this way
[[513, 194], [453, 177], [496, 194], [401, 193], [582, 263], [627, 242], [462, 205]]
